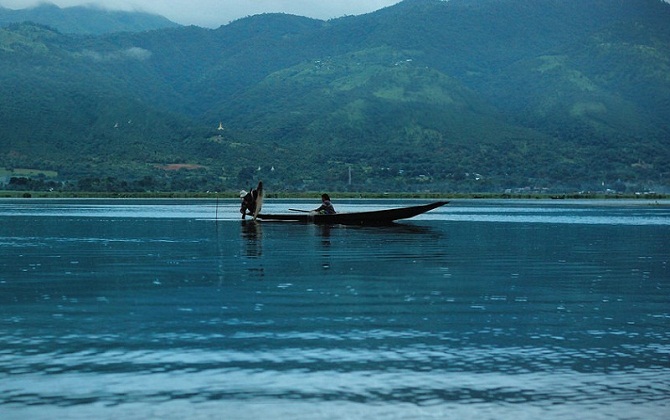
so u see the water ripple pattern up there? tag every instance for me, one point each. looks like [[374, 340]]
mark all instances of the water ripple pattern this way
[[480, 309]]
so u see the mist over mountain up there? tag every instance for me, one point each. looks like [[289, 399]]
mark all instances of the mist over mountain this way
[[85, 19], [426, 95]]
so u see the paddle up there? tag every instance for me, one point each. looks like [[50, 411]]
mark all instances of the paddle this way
[[302, 211]]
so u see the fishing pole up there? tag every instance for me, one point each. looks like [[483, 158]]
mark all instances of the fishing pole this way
[[216, 214]]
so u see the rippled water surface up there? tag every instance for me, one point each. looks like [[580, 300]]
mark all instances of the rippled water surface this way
[[480, 309]]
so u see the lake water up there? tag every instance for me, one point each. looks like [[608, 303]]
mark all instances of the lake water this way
[[141, 309]]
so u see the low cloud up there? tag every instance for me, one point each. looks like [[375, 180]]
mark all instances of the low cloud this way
[[137, 53], [133, 53]]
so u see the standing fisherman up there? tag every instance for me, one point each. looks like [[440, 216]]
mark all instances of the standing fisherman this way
[[250, 201]]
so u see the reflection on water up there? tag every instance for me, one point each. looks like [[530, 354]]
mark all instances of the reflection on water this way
[[324, 231], [105, 315], [252, 236]]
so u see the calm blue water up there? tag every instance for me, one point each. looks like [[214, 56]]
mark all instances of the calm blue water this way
[[481, 309]]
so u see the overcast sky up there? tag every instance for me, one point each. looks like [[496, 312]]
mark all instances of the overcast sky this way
[[214, 13]]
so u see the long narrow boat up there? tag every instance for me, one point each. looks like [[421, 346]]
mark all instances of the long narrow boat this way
[[375, 217]]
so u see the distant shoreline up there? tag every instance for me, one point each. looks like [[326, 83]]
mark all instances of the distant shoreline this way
[[341, 195]]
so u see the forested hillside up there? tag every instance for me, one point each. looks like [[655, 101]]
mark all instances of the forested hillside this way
[[426, 95]]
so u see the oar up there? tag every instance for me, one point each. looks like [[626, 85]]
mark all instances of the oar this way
[[302, 211]]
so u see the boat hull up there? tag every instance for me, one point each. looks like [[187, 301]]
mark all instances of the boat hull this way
[[376, 217]]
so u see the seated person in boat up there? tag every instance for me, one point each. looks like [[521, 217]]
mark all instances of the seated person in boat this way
[[326, 206], [248, 202]]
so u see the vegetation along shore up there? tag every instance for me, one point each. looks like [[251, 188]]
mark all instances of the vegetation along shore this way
[[316, 195]]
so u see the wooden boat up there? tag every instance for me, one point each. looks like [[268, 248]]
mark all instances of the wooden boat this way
[[375, 217]]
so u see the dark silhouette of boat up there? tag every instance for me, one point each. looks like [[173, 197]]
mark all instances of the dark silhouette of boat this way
[[368, 218]]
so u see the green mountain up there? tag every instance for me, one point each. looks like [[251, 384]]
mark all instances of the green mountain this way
[[85, 19], [426, 95]]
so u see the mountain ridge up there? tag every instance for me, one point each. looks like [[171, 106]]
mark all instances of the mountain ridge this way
[[407, 96], [90, 19]]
